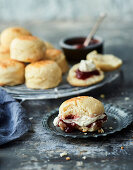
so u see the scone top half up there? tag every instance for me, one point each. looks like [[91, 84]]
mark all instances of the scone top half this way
[[81, 106], [83, 113], [11, 33]]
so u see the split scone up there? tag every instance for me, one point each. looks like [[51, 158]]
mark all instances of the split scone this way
[[84, 74], [43, 74], [11, 72], [11, 33], [106, 62], [82, 113], [27, 49], [4, 52], [58, 57]]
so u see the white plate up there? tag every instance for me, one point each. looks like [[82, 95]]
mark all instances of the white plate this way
[[63, 90]]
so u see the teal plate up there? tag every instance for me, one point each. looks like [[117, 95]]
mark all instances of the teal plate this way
[[118, 119]]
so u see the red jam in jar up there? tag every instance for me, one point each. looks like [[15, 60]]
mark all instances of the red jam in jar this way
[[81, 45], [85, 75]]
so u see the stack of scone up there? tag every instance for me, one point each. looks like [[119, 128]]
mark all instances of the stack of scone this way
[[26, 58]]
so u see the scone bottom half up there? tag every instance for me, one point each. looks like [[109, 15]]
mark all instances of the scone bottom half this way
[[82, 113], [84, 74]]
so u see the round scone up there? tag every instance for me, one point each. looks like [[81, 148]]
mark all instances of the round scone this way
[[11, 72], [83, 113], [9, 34], [27, 49], [4, 52], [106, 62], [84, 74], [58, 57], [48, 45], [43, 75]]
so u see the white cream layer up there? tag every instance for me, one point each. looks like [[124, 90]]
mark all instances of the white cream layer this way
[[82, 121], [87, 65]]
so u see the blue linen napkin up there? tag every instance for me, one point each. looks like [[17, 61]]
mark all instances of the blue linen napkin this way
[[13, 120]]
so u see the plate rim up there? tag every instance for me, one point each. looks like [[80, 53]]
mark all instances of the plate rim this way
[[46, 117], [39, 96]]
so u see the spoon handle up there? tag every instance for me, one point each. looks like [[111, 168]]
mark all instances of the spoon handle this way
[[93, 30]]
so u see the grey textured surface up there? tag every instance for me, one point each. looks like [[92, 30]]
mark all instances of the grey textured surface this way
[[39, 149], [45, 10]]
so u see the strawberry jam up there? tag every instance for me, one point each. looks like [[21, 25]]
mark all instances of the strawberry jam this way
[[81, 45], [70, 127], [85, 75]]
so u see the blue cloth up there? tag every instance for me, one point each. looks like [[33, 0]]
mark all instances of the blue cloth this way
[[13, 120]]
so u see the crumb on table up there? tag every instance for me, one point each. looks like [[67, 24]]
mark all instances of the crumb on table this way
[[122, 147], [102, 96], [68, 158], [63, 154], [84, 157]]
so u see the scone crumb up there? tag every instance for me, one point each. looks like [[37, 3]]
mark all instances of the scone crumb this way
[[63, 154], [68, 158], [84, 157], [100, 130], [127, 98], [110, 128], [122, 147], [102, 96]]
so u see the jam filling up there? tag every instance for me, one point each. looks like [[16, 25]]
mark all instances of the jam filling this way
[[85, 75], [70, 127], [81, 45]]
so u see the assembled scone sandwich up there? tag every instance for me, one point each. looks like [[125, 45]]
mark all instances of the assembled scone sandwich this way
[[84, 73], [11, 33], [11, 72], [27, 49], [106, 62], [82, 113], [43, 74], [57, 56]]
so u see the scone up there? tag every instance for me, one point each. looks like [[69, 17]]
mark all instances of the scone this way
[[82, 113], [4, 52], [27, 49], [48, 45], [43, 75], [58, 57], [11, 72], [9, 34], [106, 62], [84, 74]]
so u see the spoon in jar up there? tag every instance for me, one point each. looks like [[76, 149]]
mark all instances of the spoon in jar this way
[[93, 31]]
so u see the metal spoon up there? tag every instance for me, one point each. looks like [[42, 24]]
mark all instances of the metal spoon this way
[[94, 29]]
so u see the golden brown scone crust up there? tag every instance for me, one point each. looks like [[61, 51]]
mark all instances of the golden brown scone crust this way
[[57, 56], [43, 74], [9, 34], [48, 45], [107, 62], [74, 81], [27, 49], [4, 52], [11, 72], [81, 106]]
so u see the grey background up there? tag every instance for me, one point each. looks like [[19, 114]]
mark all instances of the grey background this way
[[47, 10]]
